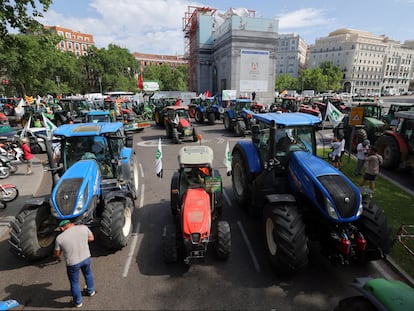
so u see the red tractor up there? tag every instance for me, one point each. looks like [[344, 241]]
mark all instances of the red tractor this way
[[196, 204], [177, 124], [397, 145]]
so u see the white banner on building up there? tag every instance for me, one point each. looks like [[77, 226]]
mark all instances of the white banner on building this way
[[229, 94], [254, 70]]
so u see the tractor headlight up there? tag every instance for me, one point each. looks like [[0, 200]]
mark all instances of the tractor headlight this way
[[361, 208], [79, 205], [331, 209]]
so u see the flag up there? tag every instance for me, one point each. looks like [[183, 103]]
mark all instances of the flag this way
[[158, 160], [19, 110], [227, 159], [140, 82], [334, 115], [49, 125], [27, 125]]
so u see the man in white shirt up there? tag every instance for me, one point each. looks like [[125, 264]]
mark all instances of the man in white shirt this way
[[362, 150]]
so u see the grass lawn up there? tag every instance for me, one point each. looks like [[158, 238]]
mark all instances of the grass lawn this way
[[399, 209]]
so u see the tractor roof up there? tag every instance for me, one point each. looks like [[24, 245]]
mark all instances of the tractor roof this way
[[176, 108], [405, 114], [87, 129], [288, 118], [98, 113], [195, 155]]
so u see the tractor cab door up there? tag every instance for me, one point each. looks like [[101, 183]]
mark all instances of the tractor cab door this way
[[407, 133]]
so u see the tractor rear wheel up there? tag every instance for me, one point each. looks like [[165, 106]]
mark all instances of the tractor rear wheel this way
[[227, 122], [388, 147], [211, 118], [169, 244], [223, 243], [355, 303], [374, 226], [359, 136], [174, 193], [285, 237], [199, 116], [195, 135], [240, 128], [174, 135], [240, 180], [116, 223], [32, 236]]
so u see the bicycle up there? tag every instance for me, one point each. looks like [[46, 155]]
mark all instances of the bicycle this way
[[8, 193]]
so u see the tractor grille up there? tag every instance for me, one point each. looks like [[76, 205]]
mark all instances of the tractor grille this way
[[344, 196], [67, 194]]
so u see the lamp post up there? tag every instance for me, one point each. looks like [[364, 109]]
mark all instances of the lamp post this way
[[100, 84], [58, 83]]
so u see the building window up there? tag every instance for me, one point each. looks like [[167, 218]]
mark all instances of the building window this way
[[60, 33], [70, 45], [62, 44], [76, 46], [68, 35], [80, 38]]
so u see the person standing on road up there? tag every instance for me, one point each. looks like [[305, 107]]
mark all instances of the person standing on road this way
[[73, 242], [372, 162], [362, 150], [336, 145], [27, 154]]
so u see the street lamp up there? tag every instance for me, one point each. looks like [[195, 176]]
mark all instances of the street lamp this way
[[58, 83], [100, 84]]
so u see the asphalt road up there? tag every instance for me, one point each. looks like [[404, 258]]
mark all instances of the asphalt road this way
[[137, 278]]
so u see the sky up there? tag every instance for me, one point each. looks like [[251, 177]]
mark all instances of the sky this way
[[155, 26]]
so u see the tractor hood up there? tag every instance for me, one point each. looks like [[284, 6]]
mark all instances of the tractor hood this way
[[184, 123], [373, 121], [76, 190], [196, 213], [330, 190]]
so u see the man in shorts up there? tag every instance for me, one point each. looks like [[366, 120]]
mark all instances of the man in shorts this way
[[373, 160]]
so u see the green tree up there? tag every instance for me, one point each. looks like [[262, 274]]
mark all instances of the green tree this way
[[20, 14], [333, 74], [286, 82]]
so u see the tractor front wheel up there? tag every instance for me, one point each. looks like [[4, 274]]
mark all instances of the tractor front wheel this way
[[285, 237], [211, 118], [174, 135], [32, 235], [388, 147], [223, 243], [116, 223], [240, 128], [169, 244], [240, 179], [374, 226], [199, 116], [227, 122]]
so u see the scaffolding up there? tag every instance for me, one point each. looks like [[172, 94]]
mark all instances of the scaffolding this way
[[191, 44]]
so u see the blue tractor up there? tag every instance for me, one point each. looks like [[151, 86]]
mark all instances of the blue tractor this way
[[95, 182], [205, 108], [237, 117], [302, 198]]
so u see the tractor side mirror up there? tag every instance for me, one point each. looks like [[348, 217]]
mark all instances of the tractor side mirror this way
[[255, 133]]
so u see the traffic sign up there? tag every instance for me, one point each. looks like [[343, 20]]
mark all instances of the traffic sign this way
[[356, 116]]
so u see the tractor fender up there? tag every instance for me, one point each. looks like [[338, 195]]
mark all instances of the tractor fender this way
[[280, 198], [116, 195], [231, 115], [400, 141], [250, 154], [201, 109]]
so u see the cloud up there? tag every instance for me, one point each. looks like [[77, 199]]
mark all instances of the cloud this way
[[303, 18], [140, 26]]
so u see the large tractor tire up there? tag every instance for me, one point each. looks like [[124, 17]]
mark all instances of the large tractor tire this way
[[116, 223], [374, 226], [198, 117], [195, 135], [285, 237], [388, 147], [223, 242], [32, 235], [135, 178], [157, 118], [227, 122], [175, 137], [359, 136], [211, 118], [240, 128], [240, 178], [174, 193], [35, 148], [169, 244]]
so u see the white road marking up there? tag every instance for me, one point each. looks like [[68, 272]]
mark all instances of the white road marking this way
[[141, 201], [131, 253], [141, 169], [249, 247]]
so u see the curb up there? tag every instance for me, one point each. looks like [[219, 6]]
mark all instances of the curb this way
[[391, 263]]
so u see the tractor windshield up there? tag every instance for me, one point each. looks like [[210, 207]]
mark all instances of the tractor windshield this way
[[88, 147], [290, 139]]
